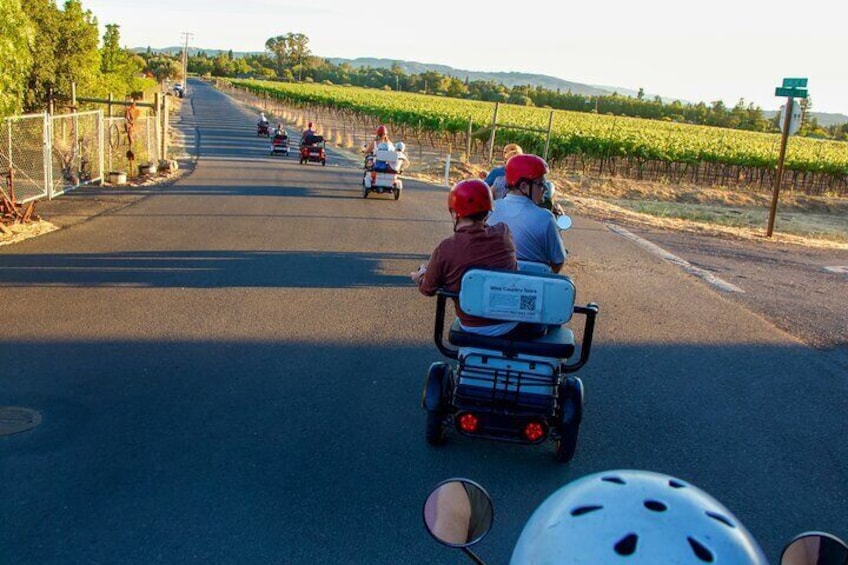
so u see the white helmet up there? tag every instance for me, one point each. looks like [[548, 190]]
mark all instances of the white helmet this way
[[400, 146], [634, 517]]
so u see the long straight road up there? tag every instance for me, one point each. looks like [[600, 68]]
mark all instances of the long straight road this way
[[230, 371]]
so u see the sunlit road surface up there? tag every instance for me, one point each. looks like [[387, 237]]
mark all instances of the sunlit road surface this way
[[230, 371]]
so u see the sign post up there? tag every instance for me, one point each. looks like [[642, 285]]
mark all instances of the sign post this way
[[792, 88]]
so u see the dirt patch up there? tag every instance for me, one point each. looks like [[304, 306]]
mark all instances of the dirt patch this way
[[86, 202], [811, 221]]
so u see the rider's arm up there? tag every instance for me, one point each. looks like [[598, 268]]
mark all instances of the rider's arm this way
[[493, 174], [555, 247], [433, 278]]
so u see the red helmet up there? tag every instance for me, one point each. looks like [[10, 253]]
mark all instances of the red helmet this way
[[469, 197], [381, 130], [525, 167]]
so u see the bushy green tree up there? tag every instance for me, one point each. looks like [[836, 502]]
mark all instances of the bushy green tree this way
[[17, 35], [164, 67], [44, 16], [77, 52]]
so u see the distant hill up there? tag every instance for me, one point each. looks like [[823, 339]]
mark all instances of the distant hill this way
[[505, 78]]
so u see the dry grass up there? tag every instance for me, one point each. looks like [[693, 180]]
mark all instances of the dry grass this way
[[801, 220]]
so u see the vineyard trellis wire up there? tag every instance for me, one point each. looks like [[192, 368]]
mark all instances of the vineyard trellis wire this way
[[586, 143]]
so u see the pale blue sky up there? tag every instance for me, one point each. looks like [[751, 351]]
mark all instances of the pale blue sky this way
[[723, 49]]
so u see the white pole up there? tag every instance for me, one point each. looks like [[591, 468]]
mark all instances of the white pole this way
[[447, 170], [185, 61]]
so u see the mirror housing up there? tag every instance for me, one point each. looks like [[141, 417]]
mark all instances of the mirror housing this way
[[815, 548], [563, 222]]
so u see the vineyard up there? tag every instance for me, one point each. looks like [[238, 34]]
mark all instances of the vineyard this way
[[592, 143]]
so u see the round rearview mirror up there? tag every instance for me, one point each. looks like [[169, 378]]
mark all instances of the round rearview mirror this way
[[563, 222], [458, 513], [815, 548]]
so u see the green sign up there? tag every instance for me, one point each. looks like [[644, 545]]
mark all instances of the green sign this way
[[793, 92], [794, 83]]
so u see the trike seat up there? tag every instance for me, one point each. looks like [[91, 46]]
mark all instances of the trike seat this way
[[557, 343]]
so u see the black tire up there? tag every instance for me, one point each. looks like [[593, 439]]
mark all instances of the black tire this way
[[566, 444], [435, 431], [568, 431], [435, 400], [397, 193], [323, 162]]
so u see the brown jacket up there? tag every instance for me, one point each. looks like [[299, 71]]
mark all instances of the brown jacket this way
[[478, 245]]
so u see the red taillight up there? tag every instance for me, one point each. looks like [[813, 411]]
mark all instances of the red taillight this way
[[468, 423], [534, 431]]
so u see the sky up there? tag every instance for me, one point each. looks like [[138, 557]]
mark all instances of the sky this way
[[692, 51]]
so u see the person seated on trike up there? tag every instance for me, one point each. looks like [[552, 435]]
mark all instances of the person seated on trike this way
[[310, 140]]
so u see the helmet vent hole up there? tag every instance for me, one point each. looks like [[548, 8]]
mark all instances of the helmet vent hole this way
[[655, 506], [701, 552], [579, 511], [627, 545], [675, 484], [616, 480], [723, 519]]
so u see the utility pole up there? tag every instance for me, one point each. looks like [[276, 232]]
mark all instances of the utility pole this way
[[185, 61]]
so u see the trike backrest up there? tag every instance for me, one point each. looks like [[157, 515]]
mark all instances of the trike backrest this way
[[517, 296], [385, 155]]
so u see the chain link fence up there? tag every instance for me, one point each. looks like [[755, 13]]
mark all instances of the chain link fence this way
[[76, 150], [23, 145], [50, 155], [144, 149]]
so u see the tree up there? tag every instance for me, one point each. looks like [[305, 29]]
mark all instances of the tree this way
[[44, 16], [299, 52], [111, 55], [15, 59], [77, 53], [164, 67], [278, 46]]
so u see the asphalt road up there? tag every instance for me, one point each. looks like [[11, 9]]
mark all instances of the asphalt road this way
[[230, 371]]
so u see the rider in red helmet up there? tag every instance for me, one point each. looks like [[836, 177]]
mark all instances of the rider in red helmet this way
[[308, 131], [473, 244], [380, 137], [533, 228]]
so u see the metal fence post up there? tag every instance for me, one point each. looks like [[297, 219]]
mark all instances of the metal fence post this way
[[468, 141], [9, 132], [165, 127], [48, 163], [494, 132], [101, 145]]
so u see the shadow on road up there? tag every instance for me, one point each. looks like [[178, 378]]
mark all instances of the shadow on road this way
[[205, 269], [250, 446]]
